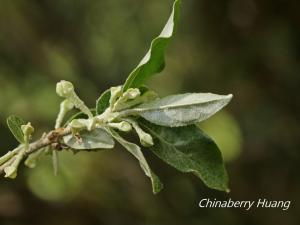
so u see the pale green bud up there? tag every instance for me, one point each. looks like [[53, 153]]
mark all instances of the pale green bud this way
[[122, 126], [10, 172], [122, 102], [64, 89], [27, 129], [131, 93], [145, 139]]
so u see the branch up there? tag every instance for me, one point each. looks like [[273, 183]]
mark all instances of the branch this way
[[53, 137]]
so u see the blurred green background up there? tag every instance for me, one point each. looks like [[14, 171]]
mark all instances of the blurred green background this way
[[248, 48]]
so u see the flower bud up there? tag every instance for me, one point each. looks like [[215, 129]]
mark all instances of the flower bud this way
[[131, 93], [27, 129], [64, 89], [122, 126], [145, 139], [10, 172], [122, 102]]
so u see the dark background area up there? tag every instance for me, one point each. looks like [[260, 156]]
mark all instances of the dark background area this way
[[248, 48]]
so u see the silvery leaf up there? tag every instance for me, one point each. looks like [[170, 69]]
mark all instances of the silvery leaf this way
[[95, 139], [182, 109]]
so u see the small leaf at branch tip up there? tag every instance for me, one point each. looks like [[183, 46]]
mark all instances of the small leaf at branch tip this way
[[14, 123], [10, 172]]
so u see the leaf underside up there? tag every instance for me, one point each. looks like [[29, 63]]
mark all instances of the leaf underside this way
[[189, 149], [14, 123], [182, 109], [154, 62], [95, 139]]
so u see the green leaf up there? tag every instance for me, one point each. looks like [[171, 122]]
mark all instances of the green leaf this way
[[103, 102], [95, 139], [14, 123], [182, 109], [135, 150], [189, 149], [153, 62]]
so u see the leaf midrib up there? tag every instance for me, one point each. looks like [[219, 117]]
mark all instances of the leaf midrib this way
[[170, 106]]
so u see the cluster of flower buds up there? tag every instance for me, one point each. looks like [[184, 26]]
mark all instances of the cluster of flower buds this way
[[119, 101]]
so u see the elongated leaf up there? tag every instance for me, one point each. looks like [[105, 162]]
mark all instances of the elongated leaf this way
[[95, 139], [103, 102], [153, 62], [189, 149], [137, 152], [182, 109], [14, 123]]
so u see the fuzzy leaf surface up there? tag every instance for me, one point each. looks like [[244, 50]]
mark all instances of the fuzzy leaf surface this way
[[189, 150], [95, 139], [182, 109]]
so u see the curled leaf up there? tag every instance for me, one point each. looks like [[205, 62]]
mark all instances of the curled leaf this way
[[153, 62], [95, 139]]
